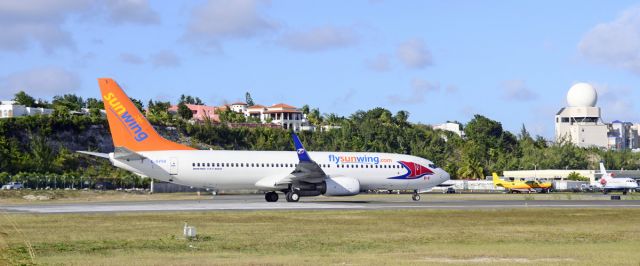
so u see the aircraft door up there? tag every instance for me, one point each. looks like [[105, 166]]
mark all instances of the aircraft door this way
[[173, 166], [418, 169]]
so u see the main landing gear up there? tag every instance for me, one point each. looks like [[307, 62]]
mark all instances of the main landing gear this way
[[415, 196], [271, 196], [293, 196]]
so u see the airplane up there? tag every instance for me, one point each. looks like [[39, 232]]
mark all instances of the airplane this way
[[138, 148], [521, 186], [608, 183]]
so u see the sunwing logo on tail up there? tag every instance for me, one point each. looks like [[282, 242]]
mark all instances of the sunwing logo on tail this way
[[125, 118]]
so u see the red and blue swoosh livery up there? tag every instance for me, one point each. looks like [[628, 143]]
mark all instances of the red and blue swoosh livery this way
[[414, 171]]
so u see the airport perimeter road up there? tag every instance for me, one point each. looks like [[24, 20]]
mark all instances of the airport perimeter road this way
[[256, 202]]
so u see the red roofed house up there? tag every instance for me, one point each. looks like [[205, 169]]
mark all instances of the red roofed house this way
[[286, 115], [200, 112]]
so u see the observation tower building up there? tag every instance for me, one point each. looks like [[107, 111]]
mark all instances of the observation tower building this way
[[580, 122]]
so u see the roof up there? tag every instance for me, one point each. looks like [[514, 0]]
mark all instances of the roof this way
[[282, 111], [238, 103], [256, 106], [283, 106]]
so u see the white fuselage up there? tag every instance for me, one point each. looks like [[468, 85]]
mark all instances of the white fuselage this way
[[619, 183], [243, 169]]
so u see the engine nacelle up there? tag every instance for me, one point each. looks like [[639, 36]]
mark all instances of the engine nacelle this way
[[340, 186]]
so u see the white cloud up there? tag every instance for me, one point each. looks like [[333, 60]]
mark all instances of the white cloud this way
[[319, 39], [379, 63], [165, 58], [131, 11], [41, 82], [616, 103], [414, 54], [615, 43], [419, 88], [220, 19], [42, 21], [38, 21], [131, 59], [517, 90]]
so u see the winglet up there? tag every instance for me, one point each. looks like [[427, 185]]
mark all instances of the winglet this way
[[302, 152]]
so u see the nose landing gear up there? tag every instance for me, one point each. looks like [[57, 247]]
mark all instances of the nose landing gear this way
[[415, 196]]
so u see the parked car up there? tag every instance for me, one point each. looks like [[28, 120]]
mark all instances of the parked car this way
[[12, 185]]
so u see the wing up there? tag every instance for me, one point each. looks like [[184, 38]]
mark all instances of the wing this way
[[96, 154], [306, 171]]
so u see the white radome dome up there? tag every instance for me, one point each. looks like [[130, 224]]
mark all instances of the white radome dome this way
[[582, 95]]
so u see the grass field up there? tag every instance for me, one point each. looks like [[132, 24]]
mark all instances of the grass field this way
[[471, 237]]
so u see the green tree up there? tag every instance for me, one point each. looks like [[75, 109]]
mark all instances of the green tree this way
[[184, 111], [402, 117], [43, 154], [25, 99], [305, 109], [93, 103], [248, 99], [71, 101], [575, 176]]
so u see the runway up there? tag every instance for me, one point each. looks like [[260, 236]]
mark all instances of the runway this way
[[256, 202]]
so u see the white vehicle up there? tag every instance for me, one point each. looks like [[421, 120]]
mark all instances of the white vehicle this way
[[608, 183], [12, 185], [141, 150]]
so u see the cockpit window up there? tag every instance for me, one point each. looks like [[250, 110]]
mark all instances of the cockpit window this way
[[433, 166]]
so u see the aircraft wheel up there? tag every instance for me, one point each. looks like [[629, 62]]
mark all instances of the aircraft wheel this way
[[416, 197], [625, 192], [293, 196], [271, 196]]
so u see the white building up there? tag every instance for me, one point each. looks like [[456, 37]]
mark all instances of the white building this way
[[239, 107], [581, 122], [622, 135], [450, 126], [287, 116], [12, 109]]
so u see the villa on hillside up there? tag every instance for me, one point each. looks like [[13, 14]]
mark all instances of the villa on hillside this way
[[281, 115]]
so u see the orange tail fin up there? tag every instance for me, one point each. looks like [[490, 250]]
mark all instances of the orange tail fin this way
[[129, 128]]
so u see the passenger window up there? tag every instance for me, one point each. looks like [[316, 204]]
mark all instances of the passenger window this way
[[193, 164]]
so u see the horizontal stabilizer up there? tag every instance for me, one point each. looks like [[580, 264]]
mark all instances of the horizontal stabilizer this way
[[96, 154], [122, 153]]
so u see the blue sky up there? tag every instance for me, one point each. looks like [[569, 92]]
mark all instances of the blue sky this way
[[512, 61]]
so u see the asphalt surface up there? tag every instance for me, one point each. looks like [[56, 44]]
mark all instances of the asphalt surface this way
[[257, 202]]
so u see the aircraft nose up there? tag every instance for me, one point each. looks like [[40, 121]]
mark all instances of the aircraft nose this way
[[444, 175]]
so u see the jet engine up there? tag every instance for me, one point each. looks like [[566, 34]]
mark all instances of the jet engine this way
[[340, 186]]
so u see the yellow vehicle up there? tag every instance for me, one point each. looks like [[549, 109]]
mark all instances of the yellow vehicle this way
[[521, 186]]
